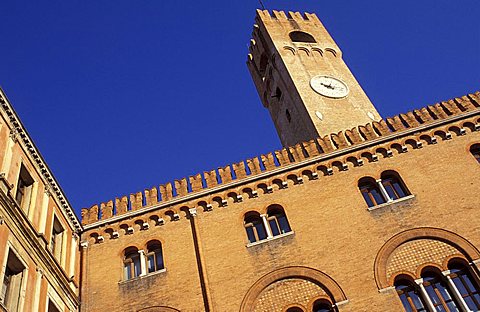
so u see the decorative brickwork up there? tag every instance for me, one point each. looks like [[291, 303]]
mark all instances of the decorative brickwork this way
[[399, 250], [286, 292], [280, 288], [413, 254]]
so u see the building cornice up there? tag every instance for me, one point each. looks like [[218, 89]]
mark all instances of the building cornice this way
[[31, 150]]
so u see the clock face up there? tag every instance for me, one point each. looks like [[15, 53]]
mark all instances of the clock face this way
[[329, 86]]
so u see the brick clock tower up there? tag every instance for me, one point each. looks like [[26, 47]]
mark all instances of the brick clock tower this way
[[302, 79]]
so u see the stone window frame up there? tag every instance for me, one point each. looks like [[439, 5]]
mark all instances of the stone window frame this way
[[154, 251], [266, 218], [387, 192], [57, 239], [428, 285], [24, 278], [24, 188], [142, 261], [475, 151]]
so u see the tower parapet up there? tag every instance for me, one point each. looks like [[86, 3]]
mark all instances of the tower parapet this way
[[314, 150]]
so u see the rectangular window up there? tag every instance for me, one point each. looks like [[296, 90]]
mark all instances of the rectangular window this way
[[24, 188], [52, 307], [12, 282], [56, 239]]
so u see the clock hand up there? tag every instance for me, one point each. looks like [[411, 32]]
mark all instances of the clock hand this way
[[327, 86]]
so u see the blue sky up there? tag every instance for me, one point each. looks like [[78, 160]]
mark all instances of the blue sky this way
[[123, 95]]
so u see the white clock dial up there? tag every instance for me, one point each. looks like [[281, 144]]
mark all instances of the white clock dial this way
[[329, 86]]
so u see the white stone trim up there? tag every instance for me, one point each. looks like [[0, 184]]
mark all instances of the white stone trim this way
[[267, 226], [425, 295], [38, 284], [270, 239], [143, 262], [43, 212], [143, 276], [385, 195], [455, 291], [391, 203]]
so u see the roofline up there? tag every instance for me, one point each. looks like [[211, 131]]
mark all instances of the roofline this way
[[45, 173], [282, 169]]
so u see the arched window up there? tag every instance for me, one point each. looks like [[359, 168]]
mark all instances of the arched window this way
[[394, 185], [466, 285], [409, 294], [300, 36], [370, 191], [288, 115], [154, 256], [322, 305], [438, 292], [294, 309], [254, 226], [131, 263], [475, 150], [277, 220], [263, 64], [388, 188]]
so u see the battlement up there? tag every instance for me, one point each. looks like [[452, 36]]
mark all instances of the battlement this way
[[281, 15], [255, 166]]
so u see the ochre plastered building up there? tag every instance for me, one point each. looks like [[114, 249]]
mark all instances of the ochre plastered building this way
[[39, 232], [354, 213]]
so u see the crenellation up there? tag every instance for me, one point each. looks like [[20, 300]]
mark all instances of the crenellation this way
[[465, 102], [424, 115], [475, 98], [240, 170], [151, 196], [283, 157], [311, 148], [368, 132], [296, 16], [225, 174], [121, 204], [296, 153], [438, 110], [354, 136], [211, 178], [254, 165], [395, 123], [166, 191], [456, 106], [263, 13], [181, 187], [450, 108], [279, 15], [268, 161], [106, 210], [410, 119], [136, 201], [326, 144], [339, 140], [196, 182]]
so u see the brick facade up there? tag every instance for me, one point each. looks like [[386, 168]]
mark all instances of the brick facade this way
[[285, 231]]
